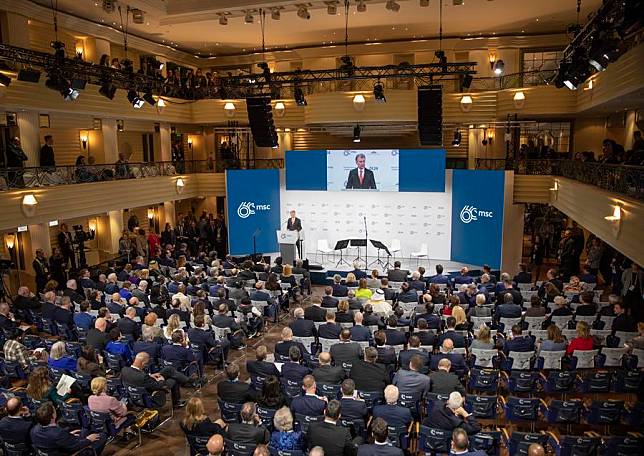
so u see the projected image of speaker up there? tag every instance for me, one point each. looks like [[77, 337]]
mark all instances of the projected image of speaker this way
[[430, 115], [261, 122]]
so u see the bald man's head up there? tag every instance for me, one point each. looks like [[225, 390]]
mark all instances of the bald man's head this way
[[100, 324], [14, 405], [141, 360], [215, 445], [448, 345], [536, 449], [325, 358]]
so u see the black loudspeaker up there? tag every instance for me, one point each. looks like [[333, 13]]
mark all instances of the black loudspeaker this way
[[430, 115], [261, 122]]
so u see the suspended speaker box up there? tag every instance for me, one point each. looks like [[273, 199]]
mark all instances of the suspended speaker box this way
[[260, 118], [430, 115]]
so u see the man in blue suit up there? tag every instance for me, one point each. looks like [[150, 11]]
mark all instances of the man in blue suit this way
[[508, 309], [330, 329], [309, 404], [202, 337], [396, 415], [414, 349], [381, 445], [46, 435], [359, 332], [464, 277], [293, 370], [353, 407], [394, 337], [416, 282], [302, 327], [15, 427], [339, 290], [283, 347], [178, 354], [261, 295], [328, 300], [148, 345], [412, 381], [433, 321], [439, 278], [450, 333], [359, 273], [518, 342], [447, 351], [260, 367]]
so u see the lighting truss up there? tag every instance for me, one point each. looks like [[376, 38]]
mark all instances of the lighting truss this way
[[240, 86]]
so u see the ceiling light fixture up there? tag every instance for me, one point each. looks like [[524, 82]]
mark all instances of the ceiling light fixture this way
[[391, 5], [499, 67], [361, 7], [248, 17], [303, 12], [276, 14]]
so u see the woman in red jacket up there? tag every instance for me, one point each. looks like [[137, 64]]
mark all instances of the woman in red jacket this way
[[583, 341]]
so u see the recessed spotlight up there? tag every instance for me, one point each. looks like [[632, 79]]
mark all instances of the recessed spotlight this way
[[276, 15], [332, 7], [303, 12], [362, 6], [248, 17], [391, 5]]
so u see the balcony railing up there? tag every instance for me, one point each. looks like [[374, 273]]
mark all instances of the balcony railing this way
[[625, 179], [11, 178]]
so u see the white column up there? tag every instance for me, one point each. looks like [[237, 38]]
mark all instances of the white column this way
[[116, 228], [110, 140], [29, 127], [165, 143], [40, 238]]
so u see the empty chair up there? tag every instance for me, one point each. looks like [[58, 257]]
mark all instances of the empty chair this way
[[323, 248], [584, 359], [521, 409], [422, 253], [522, 381], [557, 411], [508, 323], [434, 400], [395, 248], [484, 380], [434, 441], [481, 406], [518, 361], [596, 382], [571, 445], [302, 422], [550, 360], [610, 357], [628, 445], [519, 442], [489, 442], [604, 412], [483, 358], [559, 381], [628, 381], [229, 411]]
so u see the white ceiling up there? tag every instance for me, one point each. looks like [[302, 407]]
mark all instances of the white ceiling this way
[[192, 25]]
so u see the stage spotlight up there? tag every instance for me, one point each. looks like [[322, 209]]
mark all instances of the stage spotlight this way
[[107, 90], [59, 51], [149, 98], [362, 6], [4, 80], [133, 97], [379, 93], [276, 15], [29, 75], [248, 17], [79, 83], [456, 142], [223, 20], [603, 51], [424, 3], [391, 5], [332, 8], [69, 93], [356, 133], [303, 12], [499, 67], [299, 97]]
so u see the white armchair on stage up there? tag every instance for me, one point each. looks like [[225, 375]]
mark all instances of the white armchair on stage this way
[[323, 248], [423, 253]]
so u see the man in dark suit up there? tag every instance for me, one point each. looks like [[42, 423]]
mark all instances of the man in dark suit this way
[[622, 322], [427, 337], [326, 373], [371, 319], [381, 445], [128, 325], [452, 415], [330, 329], [302, 327], [396, 274], [48, 437], [367, 375], [359, 332], [345, 351], [15, 427], [443, 381], [406, 294], [223, 320], [232, 390], [447, 351], [148, 345], [328, 301], [414, 349], [508, 309], [411, 380], [586, 305], [308, 404], [295, 224], [315, 312], [390, 293], [249, 430], [433, 321], [450, 333], [179, 355], [155, 384], [335, 440], [65, 244], [463, 277], [72, 292], [396, 415], [523, 276], [292, 369], [361, 177], [63, 314], [386, 355], [439, 278], [203, 338], [339, 290], [393, 335], [518, 342], [47, 158], [260, 367], [416, 282], [97, 336], [283, 347], [353, 407]]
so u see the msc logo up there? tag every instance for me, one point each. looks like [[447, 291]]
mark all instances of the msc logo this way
[[246, 208], [470, 213]]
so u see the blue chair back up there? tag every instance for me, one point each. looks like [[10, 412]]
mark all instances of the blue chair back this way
[[275, 452], [520, 441], [229, 411], [114, 362], [412, 401], [239, 449], [371, 398], [434, 400], [197, 445], [291, 389], [486, 380], [628, 381], [433, 441], [558, 411], [605, 412], [304, 421], [489, 442], [16, 449], [266, 415], [596, 382], [573, 445], [629, 445], [522, 381], [522, 409], [560, 381], [139, 397], [72, 414], [481, 406], [55, 374], [328, 390], [100, 422], [13, 369]]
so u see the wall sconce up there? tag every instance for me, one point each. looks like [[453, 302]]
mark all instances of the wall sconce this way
[[358, 102], [554, 190], [490, 136], [180, 184], [29, 204], [466, 103], [80, 49], [616, 215], [10, 240], [519, 99], [190, 143], [150, 213], [492, 58], [279, 109], [91, 224], [84, 139], [229, 108]]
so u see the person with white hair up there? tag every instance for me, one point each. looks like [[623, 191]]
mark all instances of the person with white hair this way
[[452, 415], [357, 271], [141, 292], [316, 451], [302, 327], [284, 437], [59, 358], [395, 415], [71, 291], [111, 286], [417, 282]]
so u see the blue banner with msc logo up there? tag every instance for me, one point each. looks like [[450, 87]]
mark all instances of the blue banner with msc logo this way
[[253, 208], [477, 216]]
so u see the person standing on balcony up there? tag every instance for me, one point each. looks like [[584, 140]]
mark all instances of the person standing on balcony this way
[[47, 158], [15, 159], [178, 157], [122, 167], [66, 246], [41, 268]]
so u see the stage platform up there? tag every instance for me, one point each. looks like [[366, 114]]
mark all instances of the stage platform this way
[[330, 267]]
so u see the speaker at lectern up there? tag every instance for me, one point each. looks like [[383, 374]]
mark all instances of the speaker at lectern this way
[[287, 240]]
